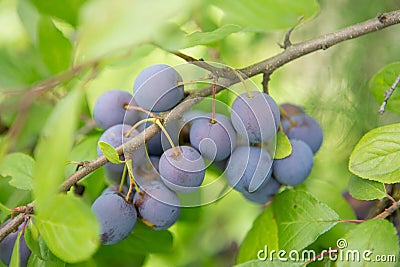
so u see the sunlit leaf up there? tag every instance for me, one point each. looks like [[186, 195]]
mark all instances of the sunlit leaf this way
[[19, 167], [264, 232], [15, 257], [108, 26], [364, 189], [301, 219], [110, 153], [263, 15], [376, 155], [69, 228], [55, 48], [54, 147], [283, 146], [367, 243], [67, 10]]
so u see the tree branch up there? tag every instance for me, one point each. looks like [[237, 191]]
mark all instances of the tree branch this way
[[388, 94], [323, 42], [228, 78], [389, 211]]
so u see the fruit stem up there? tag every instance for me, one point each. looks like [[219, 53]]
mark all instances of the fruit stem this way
[[158, 122], [287, 116], [121, 184], [249, 95], [194, 81], [132, 184], [214, 92], [351, 221], [128, 107], [137, 125]]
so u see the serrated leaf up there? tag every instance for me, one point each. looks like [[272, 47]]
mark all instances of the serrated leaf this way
[[382, 81], [67, 10], [263, 15], [54, 147], [264, 232], [301, 219], [54, 47], [368, 240], [283, 146], [119, 24], [376, 155], [19, 167], [276, 263], [69, 228], [109, 152], [364, 189]]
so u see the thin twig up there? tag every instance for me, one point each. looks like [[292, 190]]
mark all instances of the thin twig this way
[[388, 94], [323, 42], [389, 211]]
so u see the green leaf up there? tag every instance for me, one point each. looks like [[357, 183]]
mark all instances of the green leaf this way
[[258, 263], [15, 262], [382, 81], [110, 153], [36, 261], [120, 24], [31, 236], [69, 228], [54, 47], [109, 256], [264, 15], [143, 240], [264, 232], [301, 219], [21, 68], [29, 17], [54, 148], [366, 189], [376, 155], [369, 240], [203, 38], [19, 167], [41, 255], [283, 146], [173, 38], [66, 10]]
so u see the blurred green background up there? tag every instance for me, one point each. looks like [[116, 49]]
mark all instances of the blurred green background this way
[[332, 86]]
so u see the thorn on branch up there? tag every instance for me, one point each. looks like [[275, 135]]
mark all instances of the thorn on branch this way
[[388, 94], [286, 42]]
